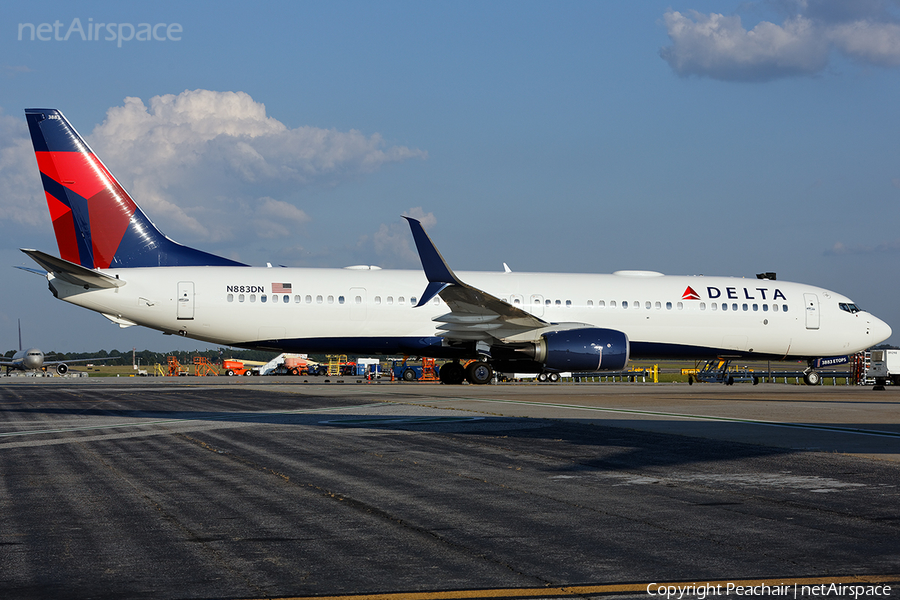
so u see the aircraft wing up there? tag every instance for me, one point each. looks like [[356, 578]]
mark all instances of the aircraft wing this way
[[71, 272], [476, 315], [77, 360]]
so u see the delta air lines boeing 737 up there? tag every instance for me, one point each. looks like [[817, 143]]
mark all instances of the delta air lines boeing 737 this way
[[114, 261]]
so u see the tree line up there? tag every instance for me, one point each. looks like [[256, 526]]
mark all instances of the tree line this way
[[147, 357]]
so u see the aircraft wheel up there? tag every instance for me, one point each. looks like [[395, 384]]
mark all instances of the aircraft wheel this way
[[553, 377], [812, 378], [479, 373], [409, 375], [452, 373]]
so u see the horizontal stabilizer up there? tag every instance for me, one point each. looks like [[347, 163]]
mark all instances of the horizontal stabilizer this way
[[71, 272]]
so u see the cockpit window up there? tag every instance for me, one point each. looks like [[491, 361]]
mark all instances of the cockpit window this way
[[850, 308]]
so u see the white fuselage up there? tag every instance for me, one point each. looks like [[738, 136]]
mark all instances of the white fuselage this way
[[372, 310], [28, 360]]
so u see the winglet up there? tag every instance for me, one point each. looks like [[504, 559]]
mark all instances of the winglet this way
[[438, 273]]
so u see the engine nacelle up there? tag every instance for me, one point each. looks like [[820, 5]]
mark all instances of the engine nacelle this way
[[587, 349], [62, 368]]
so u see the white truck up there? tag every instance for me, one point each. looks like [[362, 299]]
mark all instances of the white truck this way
[[884, 366]]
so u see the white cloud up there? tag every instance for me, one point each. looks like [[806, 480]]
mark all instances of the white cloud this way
[[840, 249], [21, 196], [392, 244], [868, 42], [719, 47], [196, 160]]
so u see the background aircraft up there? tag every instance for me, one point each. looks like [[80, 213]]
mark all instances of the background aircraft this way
[[33, 359]]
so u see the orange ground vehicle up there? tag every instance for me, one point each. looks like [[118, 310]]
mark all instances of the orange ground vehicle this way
[[236, 367]]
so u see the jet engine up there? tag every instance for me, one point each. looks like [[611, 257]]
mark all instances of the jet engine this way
[[587, 349], [62, 368]]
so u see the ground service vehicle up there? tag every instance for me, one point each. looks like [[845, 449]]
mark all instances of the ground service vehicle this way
[[236, 367], [885, 367]]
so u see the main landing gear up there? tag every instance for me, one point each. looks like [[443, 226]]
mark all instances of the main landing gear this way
[[476, 372]]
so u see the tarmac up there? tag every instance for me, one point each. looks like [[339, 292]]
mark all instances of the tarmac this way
[[274, 488]]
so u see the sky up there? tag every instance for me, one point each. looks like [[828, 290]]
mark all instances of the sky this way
[[685, 136]]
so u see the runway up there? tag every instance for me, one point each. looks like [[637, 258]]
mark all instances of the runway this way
[[268, 488]]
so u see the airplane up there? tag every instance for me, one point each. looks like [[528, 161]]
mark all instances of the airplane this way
[[113, 260], [32, 359]]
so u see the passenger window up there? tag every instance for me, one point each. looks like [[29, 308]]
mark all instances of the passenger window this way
[[309, 299], [756, 308], [765, 308], [231, 297], [724, 306], [377, 299], [330, 299], [774, 308], [390, 299], [274, 299], [713, 306], [745, 307], [658, 305], [668, 306], [359, 299], [240, 297], [591, 303], [703, 306], [602, 303], [412, 300], [297, 299], [647, 305], [568, 304], [252, 297], [784, 308], [680, 305], [624, 303], [734, 306], [286, 299]]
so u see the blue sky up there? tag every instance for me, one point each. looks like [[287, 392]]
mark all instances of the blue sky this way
[[688, 137]]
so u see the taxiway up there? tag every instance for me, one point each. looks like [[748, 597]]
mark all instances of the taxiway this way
[[199, 488]]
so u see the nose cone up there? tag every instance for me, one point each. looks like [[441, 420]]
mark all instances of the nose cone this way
[[878, 330], [34, 359]]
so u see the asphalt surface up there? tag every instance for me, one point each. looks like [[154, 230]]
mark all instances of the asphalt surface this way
[[145, 488]]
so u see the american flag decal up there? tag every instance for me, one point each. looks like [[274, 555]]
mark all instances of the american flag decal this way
[[281, 288]]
